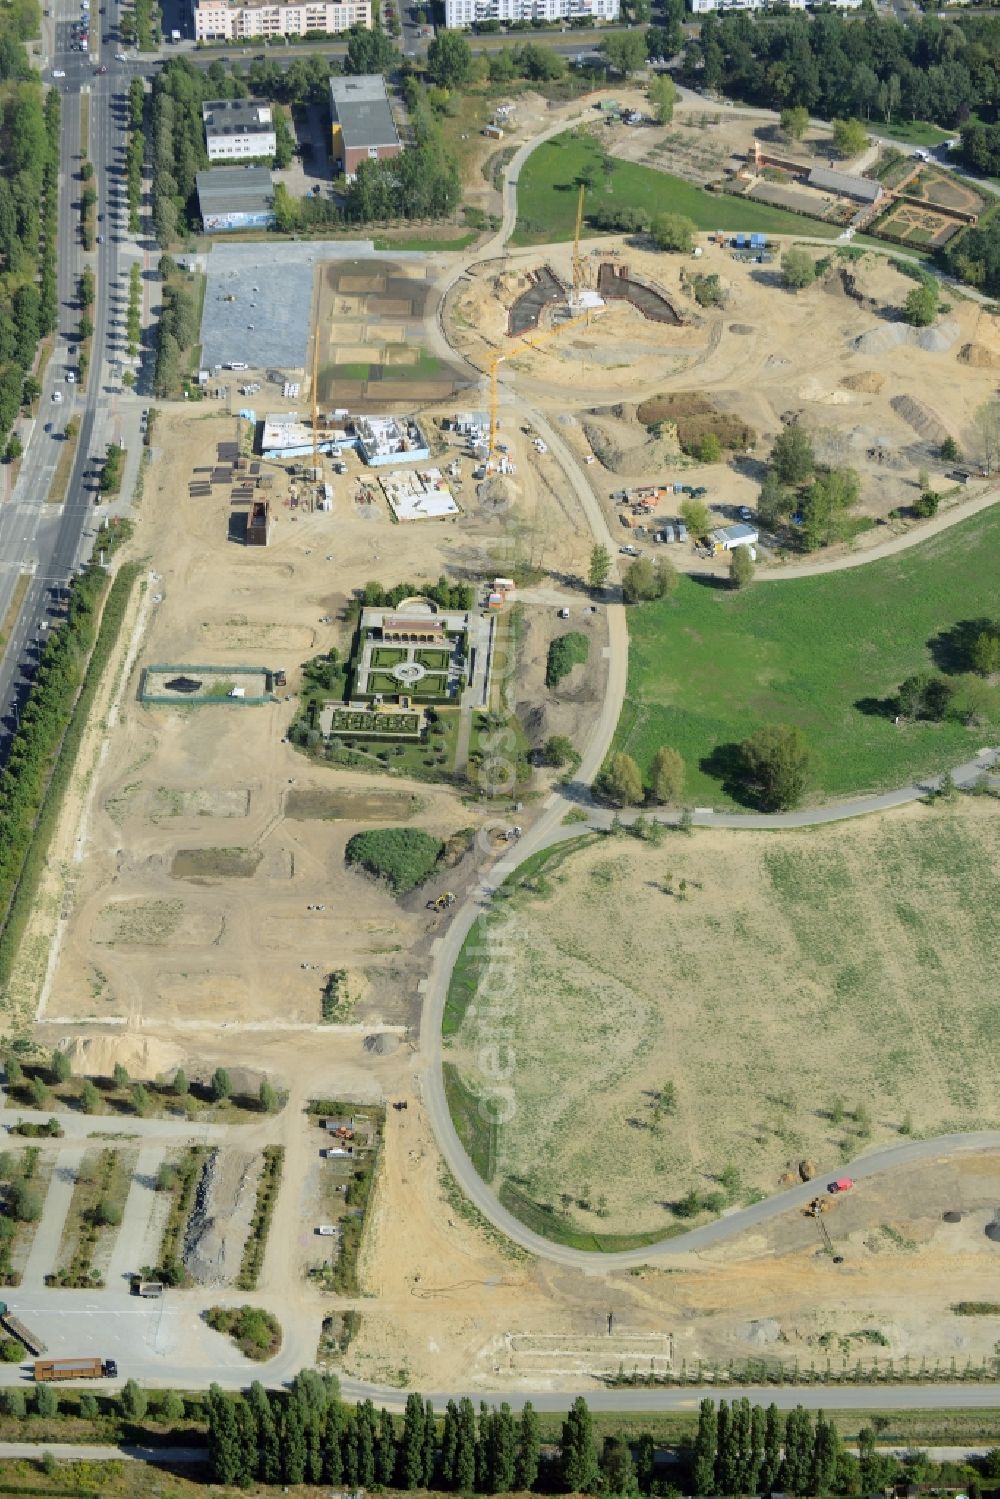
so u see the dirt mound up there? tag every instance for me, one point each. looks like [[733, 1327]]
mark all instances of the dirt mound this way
[[893, 335], [870, 382], [920, 418], [381, 1045], [937, 340], [97, 1056], [695, 416], [979, 356], [882, 340], [742, 328]]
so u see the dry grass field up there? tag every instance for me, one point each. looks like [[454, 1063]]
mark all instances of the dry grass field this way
[[703, 1014]]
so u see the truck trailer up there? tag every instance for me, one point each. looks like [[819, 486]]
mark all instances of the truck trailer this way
[[48, 1370], [17, 1329]]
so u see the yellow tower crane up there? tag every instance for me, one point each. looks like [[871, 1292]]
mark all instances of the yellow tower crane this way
[[315, 404], [577, 259]]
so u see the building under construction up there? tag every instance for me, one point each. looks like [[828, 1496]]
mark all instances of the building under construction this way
[[259, 524]]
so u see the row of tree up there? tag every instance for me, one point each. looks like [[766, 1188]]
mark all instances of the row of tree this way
[[29, 170], [839, 67], [307, 1435], [177, 333], [41, 725]]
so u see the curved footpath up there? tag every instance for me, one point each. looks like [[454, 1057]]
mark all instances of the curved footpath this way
[[551, 829]]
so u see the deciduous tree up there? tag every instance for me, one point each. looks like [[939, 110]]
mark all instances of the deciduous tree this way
[[776, 762], [666, 776]]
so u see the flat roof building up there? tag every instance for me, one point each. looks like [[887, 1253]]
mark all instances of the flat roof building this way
[[235, 198], [845, 185], [218, 20], [462, 13], [362, 125], [237, 129]]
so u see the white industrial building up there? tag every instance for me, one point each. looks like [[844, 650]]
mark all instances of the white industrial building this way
[[238, 129], [462, 13], [218, 20]]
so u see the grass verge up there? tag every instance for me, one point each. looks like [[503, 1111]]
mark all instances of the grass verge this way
[[64, 764], [551, 1224], [64, 468], [10, 619], [476, 1130]]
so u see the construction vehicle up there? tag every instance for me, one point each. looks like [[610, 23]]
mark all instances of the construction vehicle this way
[[151, 1290], [441, 902], [17, 1329], [817, 1206], [48, 1370]]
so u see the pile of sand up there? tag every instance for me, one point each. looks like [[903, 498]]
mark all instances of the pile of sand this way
[[142, 1056], [869, 382], [381, 1045], [921, 419], [814, 391], [891, 336], [979, 356], [882, 339], [937, 340]]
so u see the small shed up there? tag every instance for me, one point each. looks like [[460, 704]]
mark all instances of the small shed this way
[[727, 538]]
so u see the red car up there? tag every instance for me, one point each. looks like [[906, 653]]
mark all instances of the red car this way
[[842, 1184]]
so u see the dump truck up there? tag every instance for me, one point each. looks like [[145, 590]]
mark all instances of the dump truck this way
[[17, 1329], [48, 1370]]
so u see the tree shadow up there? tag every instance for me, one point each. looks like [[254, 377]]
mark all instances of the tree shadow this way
[[725, 764], [951, 649], [711, 580], [878, 707]]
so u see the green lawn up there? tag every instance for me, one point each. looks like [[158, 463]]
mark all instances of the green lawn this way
[[916, 132], [547, 194], [424, 242], [709, 666]]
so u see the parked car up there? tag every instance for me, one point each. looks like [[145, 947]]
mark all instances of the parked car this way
[[58, 73], [326, 1230], [746, 513], [629, 551]]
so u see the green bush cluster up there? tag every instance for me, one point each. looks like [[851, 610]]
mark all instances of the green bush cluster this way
[[403, 857], [565, 652]]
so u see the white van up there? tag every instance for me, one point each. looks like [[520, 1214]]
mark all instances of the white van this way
[[237, 364]]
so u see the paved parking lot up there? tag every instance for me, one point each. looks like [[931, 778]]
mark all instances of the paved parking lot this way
[[258, 302]]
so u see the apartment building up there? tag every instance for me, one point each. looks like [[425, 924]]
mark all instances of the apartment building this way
[[462, 13], [218, 20]]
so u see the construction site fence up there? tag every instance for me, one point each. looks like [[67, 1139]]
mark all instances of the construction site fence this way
[[197, 700], [779, 1372]]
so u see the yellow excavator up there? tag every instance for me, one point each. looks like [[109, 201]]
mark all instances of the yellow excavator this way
[[441, 902]]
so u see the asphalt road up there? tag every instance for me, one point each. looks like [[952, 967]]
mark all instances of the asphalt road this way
[[50, 541]]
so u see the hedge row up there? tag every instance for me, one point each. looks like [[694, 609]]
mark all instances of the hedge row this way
[[267, 1196]]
